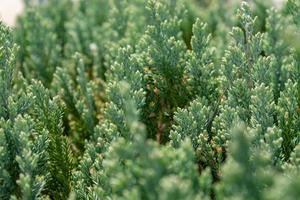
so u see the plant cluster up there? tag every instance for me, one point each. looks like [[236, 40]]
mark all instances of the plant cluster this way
[[150, 99]]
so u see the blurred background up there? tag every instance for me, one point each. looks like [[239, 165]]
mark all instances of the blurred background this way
[[9, 9]]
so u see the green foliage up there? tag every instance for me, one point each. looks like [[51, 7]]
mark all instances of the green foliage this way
[[201, 70], [156, 99], [49, 116], [288, 121], [34, 61], [78, 99], [23, 146], [246, 173], [162, 51], [32, 158], [293, 8]]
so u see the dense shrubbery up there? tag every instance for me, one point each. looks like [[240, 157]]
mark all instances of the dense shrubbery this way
[[156, 99]]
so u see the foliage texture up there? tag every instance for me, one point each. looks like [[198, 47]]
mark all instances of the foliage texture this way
[[151, 99]]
